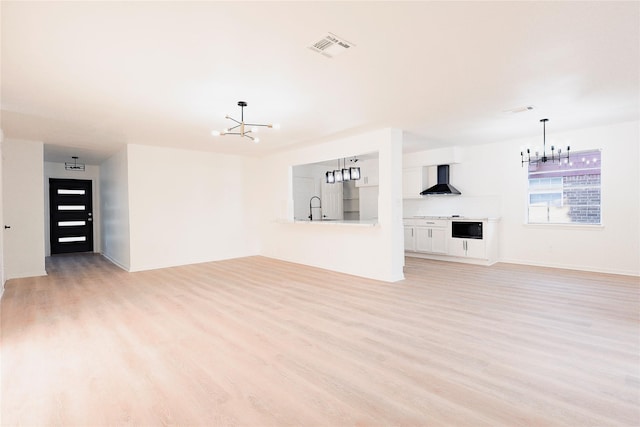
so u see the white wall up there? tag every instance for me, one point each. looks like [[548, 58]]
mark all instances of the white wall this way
[[2, 275], [375, 252], [57, 170], [493, 183], [188, 207], [23, 208], [114, 209]]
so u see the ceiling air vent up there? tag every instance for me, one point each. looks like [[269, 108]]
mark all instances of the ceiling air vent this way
[[519, 109], [331, 45]]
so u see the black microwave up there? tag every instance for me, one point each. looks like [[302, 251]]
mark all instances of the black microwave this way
[[466, 229]]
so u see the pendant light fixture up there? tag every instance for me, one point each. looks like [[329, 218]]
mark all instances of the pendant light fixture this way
[[337, 174], [354, 170], [241, 128], [330, 179], [537, 158], [345, 174], [75, 166]]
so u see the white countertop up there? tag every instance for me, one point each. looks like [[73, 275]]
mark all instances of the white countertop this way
[[454, 218], [357, 223]]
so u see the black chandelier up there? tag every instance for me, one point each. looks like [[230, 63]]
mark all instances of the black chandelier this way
[[75, 166], [344, 174], [241, 128], [537, 158]]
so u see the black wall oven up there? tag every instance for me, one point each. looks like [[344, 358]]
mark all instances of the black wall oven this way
[[466, 229]]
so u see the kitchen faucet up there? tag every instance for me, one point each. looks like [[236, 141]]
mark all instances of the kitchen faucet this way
[[311, 207]]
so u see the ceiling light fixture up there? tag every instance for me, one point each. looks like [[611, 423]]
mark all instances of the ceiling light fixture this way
[[330, 179], [354, 170], [337, 174], [344, 174], [75, 166], [544, 158], [241, 128]]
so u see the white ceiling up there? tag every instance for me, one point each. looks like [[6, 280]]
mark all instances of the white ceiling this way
[[97, 75]]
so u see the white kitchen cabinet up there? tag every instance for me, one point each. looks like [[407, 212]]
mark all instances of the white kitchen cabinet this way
[[470, 248], [414, 180], [431, 236], [432, 240], [439, 240], [423, 239], [409, 238], [368, 173]]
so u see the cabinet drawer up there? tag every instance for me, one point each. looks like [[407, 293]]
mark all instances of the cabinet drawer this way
[[431, 223]]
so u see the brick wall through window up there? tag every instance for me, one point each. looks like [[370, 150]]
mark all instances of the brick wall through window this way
[[566, 192]]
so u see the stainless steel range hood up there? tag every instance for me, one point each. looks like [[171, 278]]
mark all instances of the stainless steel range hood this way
[[443, 186]]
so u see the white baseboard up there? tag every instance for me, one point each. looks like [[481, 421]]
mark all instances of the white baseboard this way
[[449, 258], [115, 262], [572, 267], [387, 279], [25, 274]]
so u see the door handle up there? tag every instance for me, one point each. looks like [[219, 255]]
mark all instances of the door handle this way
[[7, 226]]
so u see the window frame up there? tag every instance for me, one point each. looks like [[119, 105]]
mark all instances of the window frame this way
[[580, 157]]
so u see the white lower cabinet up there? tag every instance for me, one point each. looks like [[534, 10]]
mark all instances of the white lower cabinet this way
[[433, 240], [430, 236], [471, 248], [423, 240], [439, 240], [409, 238]]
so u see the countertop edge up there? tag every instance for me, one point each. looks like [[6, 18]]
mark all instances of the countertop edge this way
[[332, 223], [462, 218]]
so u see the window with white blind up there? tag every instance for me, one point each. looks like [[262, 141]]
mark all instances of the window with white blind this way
[[566, 192]]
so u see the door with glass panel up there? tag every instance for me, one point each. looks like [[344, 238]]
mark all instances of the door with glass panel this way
[[71, 215]]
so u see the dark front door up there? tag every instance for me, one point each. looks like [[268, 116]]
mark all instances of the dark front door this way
[[71, 215]]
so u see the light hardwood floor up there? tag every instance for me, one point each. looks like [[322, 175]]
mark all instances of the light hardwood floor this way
[[260, 342]]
